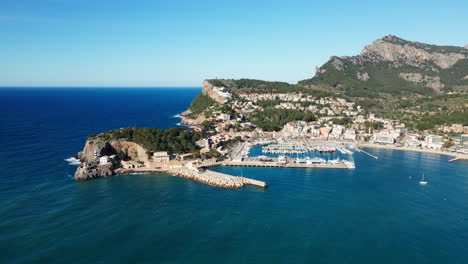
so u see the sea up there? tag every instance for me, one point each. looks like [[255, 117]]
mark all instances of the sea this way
[[376, 213]]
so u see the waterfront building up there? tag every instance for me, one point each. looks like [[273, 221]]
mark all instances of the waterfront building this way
[[187, 156], [384, 139], [433, 142], [324, 131], [435, 139], [350, 134], [131, 164], [464, 142], [209, 162], [161, 156]]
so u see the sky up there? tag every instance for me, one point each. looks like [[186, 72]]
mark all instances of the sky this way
[[180, 43]]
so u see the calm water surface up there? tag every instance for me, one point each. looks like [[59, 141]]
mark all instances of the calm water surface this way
[[375, 213]]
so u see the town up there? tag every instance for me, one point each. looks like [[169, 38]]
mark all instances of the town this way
[[286, 130]]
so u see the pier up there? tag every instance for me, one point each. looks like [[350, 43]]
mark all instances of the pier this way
[[212, 178], [365, 152]]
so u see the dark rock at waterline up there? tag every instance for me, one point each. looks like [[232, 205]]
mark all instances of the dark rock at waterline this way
[[94, 171]]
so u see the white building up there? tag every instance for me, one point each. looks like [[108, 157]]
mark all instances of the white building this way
[[350, 134], [224, 117], [104, 160], [161, 156], [433, 142], [221, 91]]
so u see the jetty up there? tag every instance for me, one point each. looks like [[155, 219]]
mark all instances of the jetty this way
[[205, 176], [367, 153], [459, 157]]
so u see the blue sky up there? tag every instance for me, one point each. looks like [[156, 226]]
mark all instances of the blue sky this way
[[180, 43]]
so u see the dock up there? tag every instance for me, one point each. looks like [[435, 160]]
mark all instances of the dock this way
[[274, 162], [365, 152]]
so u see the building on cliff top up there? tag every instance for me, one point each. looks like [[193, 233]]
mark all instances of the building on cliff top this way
[[104, 160]]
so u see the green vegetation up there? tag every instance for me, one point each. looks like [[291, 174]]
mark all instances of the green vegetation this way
[[200, 103], [373, 125], [206, 124], [272, 119], [447, 118], [341, 73], [428, 47], [384, 79], [342, 121], [259, 86], [268, 103], [173, 140], [217, 83]]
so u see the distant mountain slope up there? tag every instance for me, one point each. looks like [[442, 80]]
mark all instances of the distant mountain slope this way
[[396, 67]]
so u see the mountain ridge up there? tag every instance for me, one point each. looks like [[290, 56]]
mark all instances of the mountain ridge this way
[[397, 67]]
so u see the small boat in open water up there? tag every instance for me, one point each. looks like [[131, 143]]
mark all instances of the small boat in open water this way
[[423, 182]]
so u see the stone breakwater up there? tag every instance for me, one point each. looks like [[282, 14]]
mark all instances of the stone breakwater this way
[[208, 177], [215, 178]]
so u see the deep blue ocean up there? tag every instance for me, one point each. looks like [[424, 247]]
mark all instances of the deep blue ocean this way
[[376, 213]]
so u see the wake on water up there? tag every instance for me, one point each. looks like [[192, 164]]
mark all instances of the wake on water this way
[[73, 161]]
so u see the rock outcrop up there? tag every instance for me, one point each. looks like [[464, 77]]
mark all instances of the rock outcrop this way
[[186, 121], [94, 148], [424, 80], [219, 94], [395, 66], [92, 171], [393, 49], [97, 148]]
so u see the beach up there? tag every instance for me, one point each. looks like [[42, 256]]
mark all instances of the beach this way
[[457, 156]]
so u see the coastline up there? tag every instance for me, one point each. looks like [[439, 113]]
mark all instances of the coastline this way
[[457, 156], [181, 123]]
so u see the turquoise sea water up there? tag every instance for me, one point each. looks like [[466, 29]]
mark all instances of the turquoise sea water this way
[[377, 213]]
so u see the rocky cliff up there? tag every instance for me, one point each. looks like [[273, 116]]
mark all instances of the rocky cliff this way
[[101, 148], [91, 168], [395, 66], [217, 92]]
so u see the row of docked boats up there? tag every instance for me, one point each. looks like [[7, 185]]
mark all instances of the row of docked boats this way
[[315, 161]]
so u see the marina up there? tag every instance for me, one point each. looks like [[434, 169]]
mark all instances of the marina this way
[[295, 163], [292, 154]]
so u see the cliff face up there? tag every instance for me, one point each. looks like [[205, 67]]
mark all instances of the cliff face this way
[[134, 151], [395, 66], [393, 49], [91, 168], [215, 92]]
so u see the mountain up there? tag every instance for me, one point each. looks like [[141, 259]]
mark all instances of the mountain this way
[[392, 66]]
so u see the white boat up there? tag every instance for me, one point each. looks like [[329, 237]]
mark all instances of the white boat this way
[[349, 164], [423, 182], [315, 161]]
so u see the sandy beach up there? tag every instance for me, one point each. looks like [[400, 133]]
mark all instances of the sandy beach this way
[[457, 156]]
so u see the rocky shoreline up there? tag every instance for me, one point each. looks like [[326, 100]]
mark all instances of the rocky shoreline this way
[[92, 172], [93, 167]]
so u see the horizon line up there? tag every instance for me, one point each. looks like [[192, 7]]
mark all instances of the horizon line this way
[[146, 87]]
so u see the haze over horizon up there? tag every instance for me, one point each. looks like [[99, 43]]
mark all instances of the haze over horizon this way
[[180, 43]]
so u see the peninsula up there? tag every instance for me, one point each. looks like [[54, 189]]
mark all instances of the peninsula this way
[[396, 94]]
